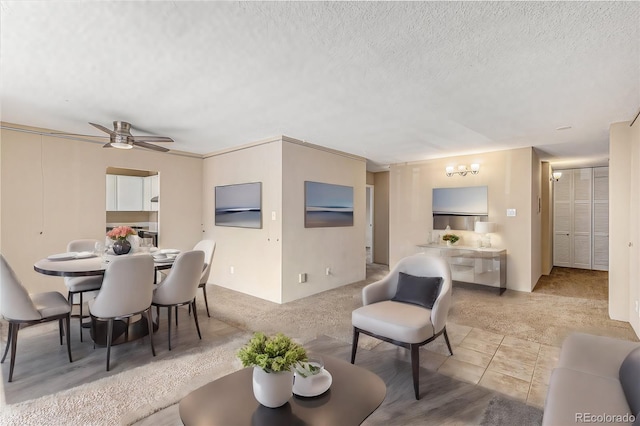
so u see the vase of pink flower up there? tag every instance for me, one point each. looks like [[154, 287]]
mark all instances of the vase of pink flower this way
[[119, 236]]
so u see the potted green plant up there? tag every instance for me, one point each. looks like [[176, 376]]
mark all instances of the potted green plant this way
[[272, 359], [450, 238]]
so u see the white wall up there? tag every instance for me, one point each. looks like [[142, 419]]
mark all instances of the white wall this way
[[508, 175], [53, 191], [312, 250], [267, 261], [624, 229]]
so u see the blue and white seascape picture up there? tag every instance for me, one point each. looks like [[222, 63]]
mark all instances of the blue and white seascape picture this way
[[239, 205], [327, 205]]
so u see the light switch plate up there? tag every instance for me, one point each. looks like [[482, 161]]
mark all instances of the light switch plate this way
[[273, 215], [511, 212]]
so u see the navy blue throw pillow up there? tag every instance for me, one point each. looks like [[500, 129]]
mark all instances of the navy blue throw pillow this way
[[421, 291]]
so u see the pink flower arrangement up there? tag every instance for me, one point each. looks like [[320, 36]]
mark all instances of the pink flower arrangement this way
[[121, 233]]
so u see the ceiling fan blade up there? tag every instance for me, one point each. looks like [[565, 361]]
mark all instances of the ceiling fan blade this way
[[104, 129], [154, 139], [150, 146]]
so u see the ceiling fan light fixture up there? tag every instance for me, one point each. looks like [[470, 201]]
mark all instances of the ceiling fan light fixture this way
[[121, 145]]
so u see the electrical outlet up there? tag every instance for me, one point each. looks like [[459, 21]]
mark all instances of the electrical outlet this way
[[232, 270], [302, 278], [273, 215], [511, 212]]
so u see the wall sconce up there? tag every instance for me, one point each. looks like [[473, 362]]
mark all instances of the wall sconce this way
[[462, 170], [555, 176], [485, 228]]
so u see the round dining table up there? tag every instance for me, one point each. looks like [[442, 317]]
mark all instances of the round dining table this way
[[83, 267], [123, 331]]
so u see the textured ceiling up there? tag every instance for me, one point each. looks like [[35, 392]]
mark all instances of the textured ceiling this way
[[389, 81]]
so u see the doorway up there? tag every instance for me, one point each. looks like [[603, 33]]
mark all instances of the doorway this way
[[369, 226]]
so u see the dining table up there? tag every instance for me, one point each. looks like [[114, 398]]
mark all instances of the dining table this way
[[89, 264]]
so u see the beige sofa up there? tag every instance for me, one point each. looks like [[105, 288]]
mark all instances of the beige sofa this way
[[589, 385]]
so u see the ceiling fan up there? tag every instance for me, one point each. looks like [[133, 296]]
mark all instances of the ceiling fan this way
[[121, 137]]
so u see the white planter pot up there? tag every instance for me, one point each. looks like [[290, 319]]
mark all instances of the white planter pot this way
[[272, 389]]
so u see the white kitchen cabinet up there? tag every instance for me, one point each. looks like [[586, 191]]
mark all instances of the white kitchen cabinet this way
[[151, 190], [124, 193], [129, 190], [111, 193]]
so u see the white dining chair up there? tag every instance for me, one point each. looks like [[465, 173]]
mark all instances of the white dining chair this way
[[208, 247], [80, 285], [127, 290], [180, 286], [21, 309]]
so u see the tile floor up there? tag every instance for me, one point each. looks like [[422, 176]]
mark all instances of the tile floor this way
[[512, 366]]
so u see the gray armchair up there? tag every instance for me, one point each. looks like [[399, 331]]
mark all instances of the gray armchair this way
[[21, 309], [403, 323]]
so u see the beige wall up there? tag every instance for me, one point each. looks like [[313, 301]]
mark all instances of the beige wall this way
[[508, 175], [381, 218], [53, 191], [536, 219], [254, 254], [267, 261], [312, 250], [624, 229], [546, 189]]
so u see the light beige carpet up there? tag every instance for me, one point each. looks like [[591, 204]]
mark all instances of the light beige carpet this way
[[127, 397]]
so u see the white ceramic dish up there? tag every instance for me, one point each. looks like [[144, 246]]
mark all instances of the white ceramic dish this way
[[63, 256], [322, 387], [165, 260], [170, 251], [159, 256], [85, 255]]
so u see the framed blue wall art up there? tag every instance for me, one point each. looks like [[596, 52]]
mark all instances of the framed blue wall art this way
[[239, 205], [327, 205]]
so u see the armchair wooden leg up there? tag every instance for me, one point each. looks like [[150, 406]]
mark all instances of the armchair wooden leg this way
[[176, 316], [195, 317], [415, 368], [6, 350], [354, 344], [206, 302], [446, 339]]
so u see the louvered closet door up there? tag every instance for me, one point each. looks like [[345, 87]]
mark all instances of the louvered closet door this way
[[600, 249], [562, 221], [581, 244]]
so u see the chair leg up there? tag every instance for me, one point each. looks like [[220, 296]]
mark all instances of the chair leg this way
[[176, 316], [109, 336], [206, 302], [446, 339], [150, 327], [195, 317], [354, 344], [9, 334], [67, 321], [415, 367], [14, 345], [169, 326], [60, 328], [81, 302]]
